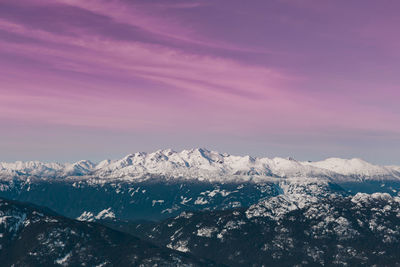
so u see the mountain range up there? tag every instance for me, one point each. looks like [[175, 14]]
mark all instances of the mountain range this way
[[159, 185], [199, 207], [203, 165]]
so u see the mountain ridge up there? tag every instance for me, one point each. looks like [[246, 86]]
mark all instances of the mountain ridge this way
[[203, 164], [32, 235]]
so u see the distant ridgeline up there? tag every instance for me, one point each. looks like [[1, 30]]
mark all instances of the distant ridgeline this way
[[163, 184], [219, 208]]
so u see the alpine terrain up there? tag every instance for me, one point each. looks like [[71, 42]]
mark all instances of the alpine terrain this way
[[198, 207]]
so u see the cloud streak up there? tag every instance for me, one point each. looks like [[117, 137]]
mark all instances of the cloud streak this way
[[192, 68]]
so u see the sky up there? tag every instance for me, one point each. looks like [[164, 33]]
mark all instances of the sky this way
[[100, 79]]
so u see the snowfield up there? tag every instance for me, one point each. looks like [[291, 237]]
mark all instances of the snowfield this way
[[237, 211], [203, 165]]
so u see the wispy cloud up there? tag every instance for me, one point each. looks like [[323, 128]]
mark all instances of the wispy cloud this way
[[196, 67]]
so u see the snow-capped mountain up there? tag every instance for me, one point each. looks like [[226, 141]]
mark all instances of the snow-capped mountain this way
[[238, 211], [204, 165]]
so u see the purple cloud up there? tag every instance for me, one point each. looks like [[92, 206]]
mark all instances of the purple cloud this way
[[217, 67]]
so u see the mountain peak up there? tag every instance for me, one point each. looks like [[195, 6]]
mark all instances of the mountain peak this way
[[204, 164]]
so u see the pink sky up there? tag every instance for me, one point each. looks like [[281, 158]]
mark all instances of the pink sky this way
[[99, 79]]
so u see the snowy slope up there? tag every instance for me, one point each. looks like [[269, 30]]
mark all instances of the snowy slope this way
[[354, 166], [203, 164], [289, 230]]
